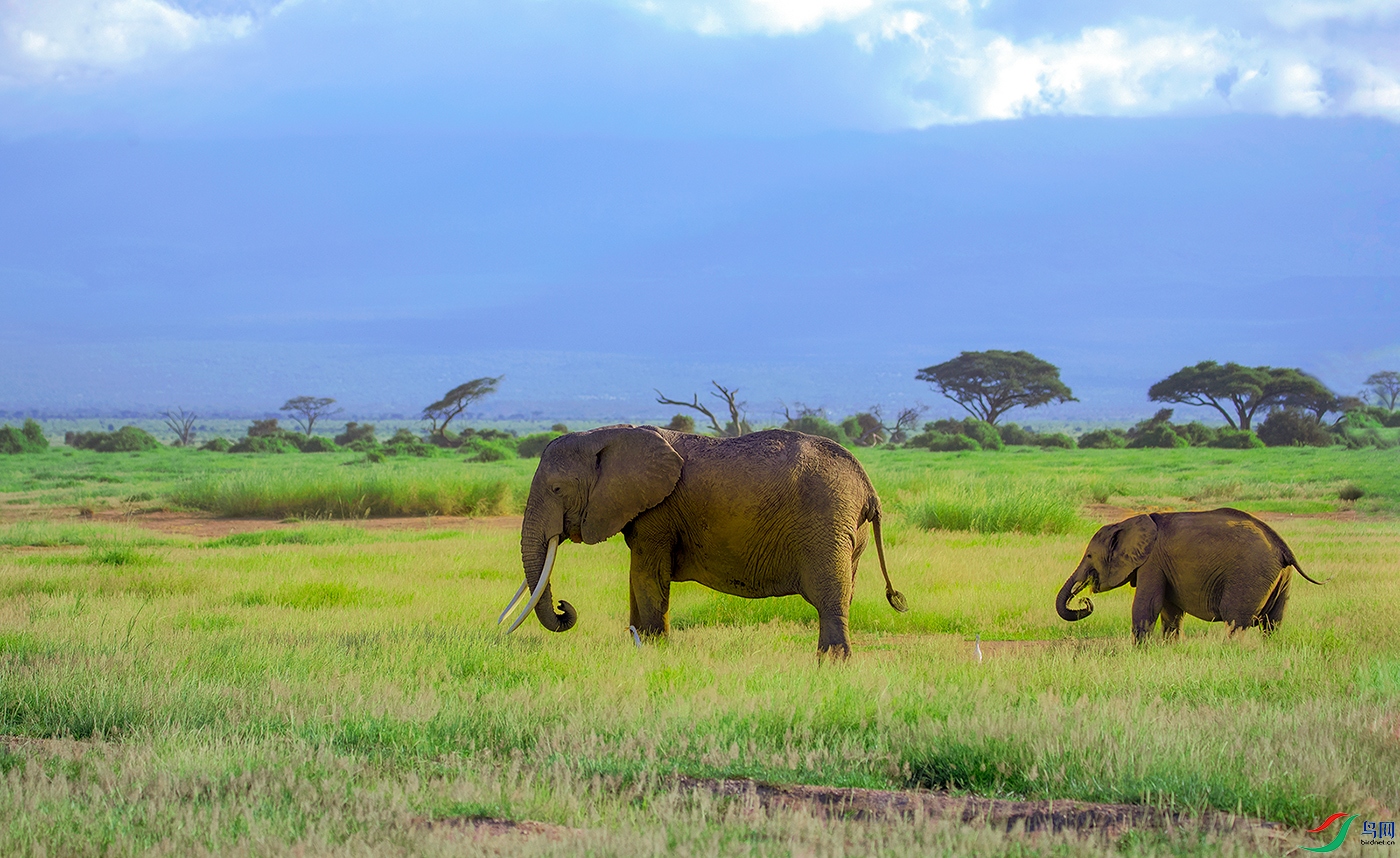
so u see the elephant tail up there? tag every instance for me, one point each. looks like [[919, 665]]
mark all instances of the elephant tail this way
[[893, 596], [1286, 557]]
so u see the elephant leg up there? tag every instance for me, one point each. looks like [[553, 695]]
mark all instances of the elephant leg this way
[[829, 585], [1171, 620], [650, 581], [1272, 613], [1151, 596]]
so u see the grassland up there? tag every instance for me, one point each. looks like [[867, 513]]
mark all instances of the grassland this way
[[326, 688]]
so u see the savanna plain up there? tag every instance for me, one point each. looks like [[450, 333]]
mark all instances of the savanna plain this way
[[260, 654]]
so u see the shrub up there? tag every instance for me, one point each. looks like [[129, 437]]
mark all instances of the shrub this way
[[127, 439], [483, 450], [264, 444], [1103, 439], [317, 444], [264, 428], [355, 433], [27, 439], [1291, 427], [1160, 435], [405, 443], [531, 446], [562, 429], [1235, 439], [1016, 436], [1350, 492], [942, 442], [1198, 434], [1059, 440], [217, 445]]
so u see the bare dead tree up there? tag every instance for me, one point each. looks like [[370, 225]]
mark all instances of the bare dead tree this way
[[306, 410], [904, 422], [738, 422], [182, 424]]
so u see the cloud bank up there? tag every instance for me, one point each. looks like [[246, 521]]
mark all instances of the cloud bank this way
[[45, 40], [948, 61], [915, 62]]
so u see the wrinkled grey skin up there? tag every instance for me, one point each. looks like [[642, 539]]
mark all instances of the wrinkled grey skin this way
[[773, 513], [1222, 565]]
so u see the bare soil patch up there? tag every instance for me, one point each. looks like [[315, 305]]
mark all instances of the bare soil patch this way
[[1028, 816], [205, 526], [502, 832]]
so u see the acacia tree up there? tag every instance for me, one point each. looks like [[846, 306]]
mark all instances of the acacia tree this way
[[1386, 387], [988, 384], [1244, 389], [456, 400], [738, 416], [904, 422], [306, 410], [181, 423]]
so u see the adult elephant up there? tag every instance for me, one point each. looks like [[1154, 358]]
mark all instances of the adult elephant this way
[[1218, 565], [772, 513]]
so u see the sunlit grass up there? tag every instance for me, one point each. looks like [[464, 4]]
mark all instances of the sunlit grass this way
[[350, 494], [317, 687]]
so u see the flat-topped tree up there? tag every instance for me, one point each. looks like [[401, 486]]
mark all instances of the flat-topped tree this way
[[988, 384], [306, 410], [456, 400], [1386, 387], [1244, 389]]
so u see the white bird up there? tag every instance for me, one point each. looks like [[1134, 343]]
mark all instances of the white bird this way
[[636, 638], [977, 647]]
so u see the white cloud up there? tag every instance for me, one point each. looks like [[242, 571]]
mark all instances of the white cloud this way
[[1312, 58], [50, 38]]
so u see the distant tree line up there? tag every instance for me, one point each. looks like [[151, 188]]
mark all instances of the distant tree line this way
[[1261, 406]]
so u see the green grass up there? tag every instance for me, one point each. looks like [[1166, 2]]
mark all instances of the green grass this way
[[317, 688]]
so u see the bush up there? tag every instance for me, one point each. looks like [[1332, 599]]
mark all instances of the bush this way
[[482, 450], [405, 443], [1350, 492], [265, 428], [813, 424], [127, 439], [1160, 435], [1198, 434], [27, 439], [1016, 436], [356, 433], [217, 445], [264, 444], [1291, 427], [942, 442], [531, 446], [982, 434], [1235, 439], [1103, 439], [1059, 440], [316, 444]]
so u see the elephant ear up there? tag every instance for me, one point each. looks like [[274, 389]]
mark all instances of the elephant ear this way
[[637, 469], [1128, 547]]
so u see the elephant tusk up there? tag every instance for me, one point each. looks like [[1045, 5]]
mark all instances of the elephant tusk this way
[[539, 588], [513, 600]]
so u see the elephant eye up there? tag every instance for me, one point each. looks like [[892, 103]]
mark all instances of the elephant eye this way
[[556, 489]]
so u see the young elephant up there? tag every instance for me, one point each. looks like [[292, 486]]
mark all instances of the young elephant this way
[[773, 513], [1218, 565]]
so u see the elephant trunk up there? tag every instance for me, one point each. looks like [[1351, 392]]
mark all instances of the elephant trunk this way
[[1073, 585], [539, 541]]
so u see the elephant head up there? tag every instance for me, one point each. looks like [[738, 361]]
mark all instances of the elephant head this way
[[588, 486], [1111, 560]]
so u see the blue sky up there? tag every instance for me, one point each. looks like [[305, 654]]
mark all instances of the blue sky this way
[[221, 204]]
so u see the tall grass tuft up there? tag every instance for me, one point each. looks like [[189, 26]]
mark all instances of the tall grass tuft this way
[[342, 494], [993, 506]]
